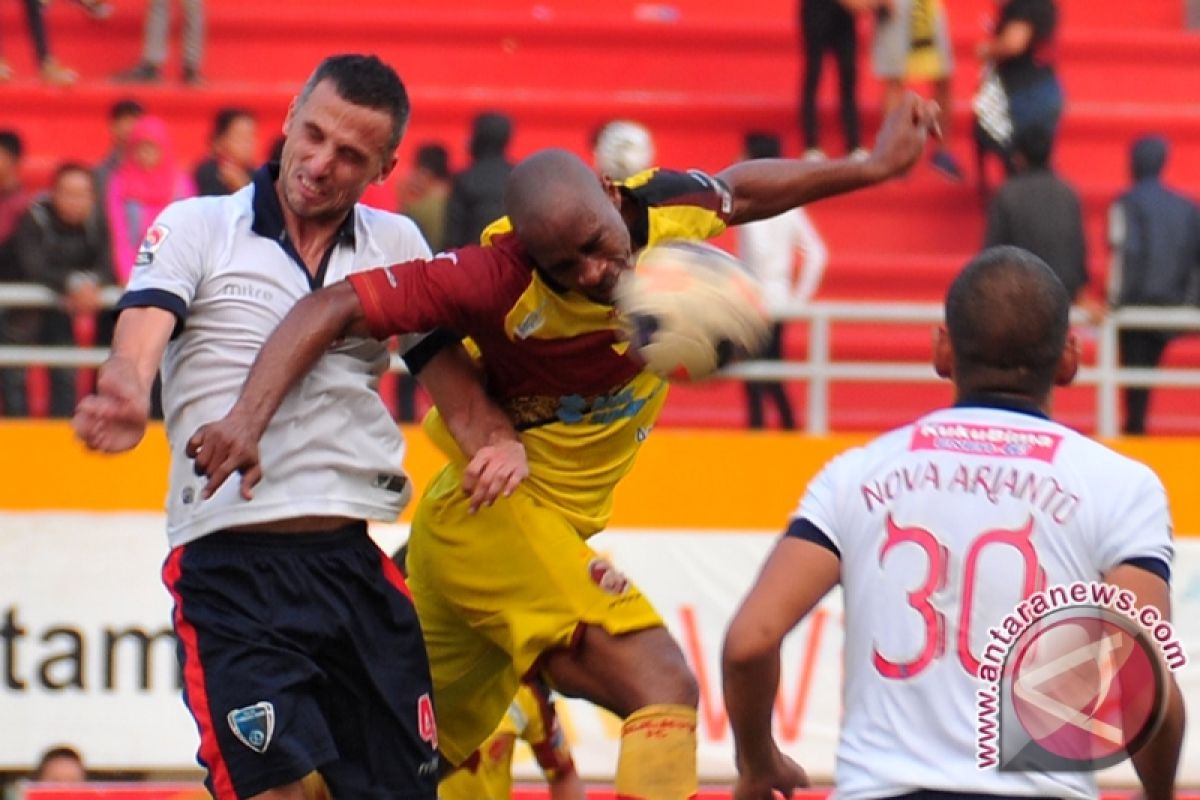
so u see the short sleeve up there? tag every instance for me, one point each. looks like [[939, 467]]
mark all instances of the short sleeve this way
[[1138, 524], [677, 205], [171, 261], [821, 503], [452, 290]]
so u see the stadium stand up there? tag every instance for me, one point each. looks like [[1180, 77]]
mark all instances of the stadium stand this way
[[699, 73]]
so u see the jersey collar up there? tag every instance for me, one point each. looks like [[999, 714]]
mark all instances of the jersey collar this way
[[268, 223], [268, 213], [1003, 402]]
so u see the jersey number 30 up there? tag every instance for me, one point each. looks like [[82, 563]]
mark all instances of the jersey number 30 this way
[[935, 579]]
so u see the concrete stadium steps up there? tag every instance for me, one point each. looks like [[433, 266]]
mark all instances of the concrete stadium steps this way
[[630, 47], [699, 73], [693, 130]]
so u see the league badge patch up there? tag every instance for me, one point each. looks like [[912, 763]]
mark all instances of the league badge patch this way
[[150, 244], [254, 725]]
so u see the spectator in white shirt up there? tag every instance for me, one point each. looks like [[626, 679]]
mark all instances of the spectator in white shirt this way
[[769, 249]]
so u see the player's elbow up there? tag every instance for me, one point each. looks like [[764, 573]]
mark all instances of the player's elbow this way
[[746, 644], [335, 308]]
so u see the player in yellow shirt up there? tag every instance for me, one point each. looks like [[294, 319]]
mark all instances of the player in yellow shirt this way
[[532, 718], [513, 589]]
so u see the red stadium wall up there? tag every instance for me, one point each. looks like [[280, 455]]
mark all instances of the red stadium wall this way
[[699, 73]]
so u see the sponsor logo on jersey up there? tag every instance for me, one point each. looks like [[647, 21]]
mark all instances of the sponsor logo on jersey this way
[[153, 240], [254, 725], [533, 320], [606, 576], [985, 440]]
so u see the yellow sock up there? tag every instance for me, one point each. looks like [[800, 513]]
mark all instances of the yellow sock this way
[[314, 787], [658, 754]]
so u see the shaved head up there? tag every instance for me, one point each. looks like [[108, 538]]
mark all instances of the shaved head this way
[[1007, 318], [548, 193], [568, 223]]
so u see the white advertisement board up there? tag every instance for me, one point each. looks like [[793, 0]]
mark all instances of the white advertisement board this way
[[87, 657]]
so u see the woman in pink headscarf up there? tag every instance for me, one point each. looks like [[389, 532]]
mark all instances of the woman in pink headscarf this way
[[141, 186]]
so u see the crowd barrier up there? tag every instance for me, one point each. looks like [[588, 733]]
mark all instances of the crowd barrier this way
[[820, 369]]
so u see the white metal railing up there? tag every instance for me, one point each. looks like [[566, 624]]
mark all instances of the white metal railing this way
[[818, 371]]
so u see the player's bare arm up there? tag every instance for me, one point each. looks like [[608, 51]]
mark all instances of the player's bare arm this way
[[1157, 762], [795, 577], [113, 419], [231, 443], [496, 458], [764, 188]]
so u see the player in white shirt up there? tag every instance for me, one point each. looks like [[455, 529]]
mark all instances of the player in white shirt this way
[[299, 645], [936, 531]]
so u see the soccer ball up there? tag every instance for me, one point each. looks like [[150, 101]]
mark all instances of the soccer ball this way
[[690, 309]]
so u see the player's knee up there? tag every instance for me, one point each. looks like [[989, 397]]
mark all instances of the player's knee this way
[[671, 681]]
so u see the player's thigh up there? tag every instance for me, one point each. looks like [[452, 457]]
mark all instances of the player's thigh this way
[[250, 690], [624, 672], [378, 696], [497, 589], [518, 574]]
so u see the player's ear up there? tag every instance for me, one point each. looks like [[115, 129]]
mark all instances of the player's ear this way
[[389, 164], [287, 120], [612, 190], [943, 352], [1068, 364]]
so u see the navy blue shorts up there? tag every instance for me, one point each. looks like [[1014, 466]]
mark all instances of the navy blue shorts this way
[[302, 652]]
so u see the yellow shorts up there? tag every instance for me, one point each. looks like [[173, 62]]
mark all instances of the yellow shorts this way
[[496, 589]]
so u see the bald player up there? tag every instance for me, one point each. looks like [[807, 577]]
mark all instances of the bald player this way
[[514, 589], [997, 503]]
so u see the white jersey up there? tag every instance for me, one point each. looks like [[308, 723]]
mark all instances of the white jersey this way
[[224, 267], [969, 507], [768, 248]]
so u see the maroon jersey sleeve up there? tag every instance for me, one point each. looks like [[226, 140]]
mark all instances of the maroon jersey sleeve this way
[[449, 291]]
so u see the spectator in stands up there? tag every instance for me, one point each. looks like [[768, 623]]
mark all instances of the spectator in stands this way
[[1154, 235], [1038, 211], [769, 248], [97, 9], [63, 244], [142, 186], [52, 71], [154, 43], [828, 26], [912, 44], [61, 764], [424, 194], [423, 197], [1021, 50], [233, 153], [16, 325], [478, 192], [122, 116], [622, 148]]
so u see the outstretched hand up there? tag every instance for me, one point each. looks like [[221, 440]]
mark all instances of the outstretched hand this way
[[779, 781], [113, 419], [495, 470], [904, 132], [223, 447]]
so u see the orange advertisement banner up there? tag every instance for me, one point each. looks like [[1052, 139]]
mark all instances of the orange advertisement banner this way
[[683, 479]]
